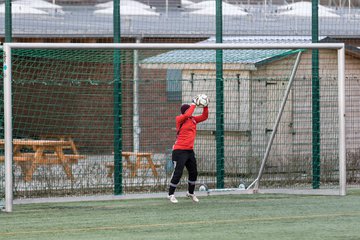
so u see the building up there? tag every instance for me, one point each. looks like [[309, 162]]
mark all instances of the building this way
[[255, 83]]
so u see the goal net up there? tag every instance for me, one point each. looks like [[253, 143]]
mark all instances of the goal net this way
[[87, 119]]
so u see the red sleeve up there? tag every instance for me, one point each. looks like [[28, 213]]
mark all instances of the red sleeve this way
[[181, 118], [203, 116]]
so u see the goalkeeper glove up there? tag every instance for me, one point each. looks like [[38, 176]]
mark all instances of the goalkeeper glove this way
[[195, 100]]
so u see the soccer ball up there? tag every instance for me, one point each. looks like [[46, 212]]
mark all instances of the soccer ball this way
[[203, 188], [202, 100]]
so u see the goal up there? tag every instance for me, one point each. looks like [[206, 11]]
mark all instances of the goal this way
[[277, 116]]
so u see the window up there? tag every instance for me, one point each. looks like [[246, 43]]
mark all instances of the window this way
[[173, 84]]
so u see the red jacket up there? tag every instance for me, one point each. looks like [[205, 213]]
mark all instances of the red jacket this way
[[186, 128]]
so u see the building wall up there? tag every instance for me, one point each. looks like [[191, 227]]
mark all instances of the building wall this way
[[247, 135], [86, 113], [293, 139]]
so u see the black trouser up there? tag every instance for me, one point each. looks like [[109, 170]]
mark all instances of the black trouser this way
[[181, 159]]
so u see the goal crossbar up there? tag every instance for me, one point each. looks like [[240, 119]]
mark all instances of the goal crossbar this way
[[140, 46]]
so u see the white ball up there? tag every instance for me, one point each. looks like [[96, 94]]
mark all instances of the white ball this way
[[202, 188], [203, 100]]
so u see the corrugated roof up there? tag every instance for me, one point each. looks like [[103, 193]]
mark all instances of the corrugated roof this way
[[246, 56], [209, 56]]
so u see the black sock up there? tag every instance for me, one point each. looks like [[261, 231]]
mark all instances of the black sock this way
[[191, 188], [171, 190]]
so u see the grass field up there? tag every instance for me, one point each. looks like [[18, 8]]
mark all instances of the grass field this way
[[260, 216]]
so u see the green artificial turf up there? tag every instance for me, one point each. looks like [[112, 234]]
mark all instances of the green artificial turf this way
[[259, 216]]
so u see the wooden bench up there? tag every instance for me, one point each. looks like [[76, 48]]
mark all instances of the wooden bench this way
[[20, 158], [138, 164], [48, 158]]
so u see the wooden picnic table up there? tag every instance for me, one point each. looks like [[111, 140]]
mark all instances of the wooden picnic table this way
[[138, 164], [30, 153]]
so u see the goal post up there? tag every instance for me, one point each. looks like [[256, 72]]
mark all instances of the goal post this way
[[248, 131]]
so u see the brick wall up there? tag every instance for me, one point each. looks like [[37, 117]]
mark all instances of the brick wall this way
[[85, 111]]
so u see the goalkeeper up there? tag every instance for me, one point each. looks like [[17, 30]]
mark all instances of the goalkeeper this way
[[183, 150]]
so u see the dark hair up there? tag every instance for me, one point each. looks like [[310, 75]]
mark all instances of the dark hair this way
[[184, 107]]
